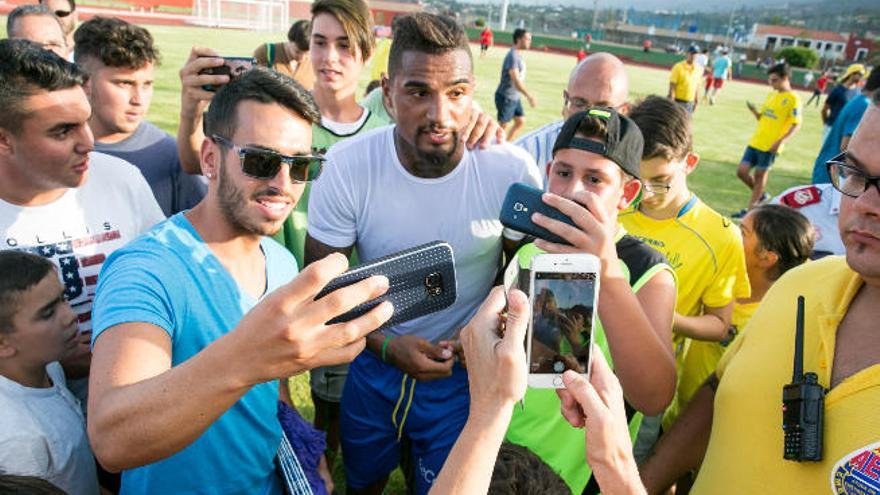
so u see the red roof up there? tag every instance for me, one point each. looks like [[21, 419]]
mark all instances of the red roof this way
[[797, 32]]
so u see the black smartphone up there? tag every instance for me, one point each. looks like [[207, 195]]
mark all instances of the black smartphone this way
[[520, 203], [421, 281], [234, 67]]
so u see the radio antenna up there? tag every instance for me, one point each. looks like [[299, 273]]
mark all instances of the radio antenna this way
[[799, 343]]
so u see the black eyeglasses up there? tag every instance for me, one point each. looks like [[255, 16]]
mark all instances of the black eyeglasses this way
[[264, 164], [62, 13], [656, 187], [849, 180]]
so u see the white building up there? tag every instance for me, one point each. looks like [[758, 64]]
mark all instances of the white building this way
[[828, 44]]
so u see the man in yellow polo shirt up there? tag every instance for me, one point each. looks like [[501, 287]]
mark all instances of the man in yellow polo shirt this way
[[741, 404], [684, 81], [778, 120]]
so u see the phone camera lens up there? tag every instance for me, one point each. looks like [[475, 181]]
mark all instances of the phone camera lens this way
[[434, 284]]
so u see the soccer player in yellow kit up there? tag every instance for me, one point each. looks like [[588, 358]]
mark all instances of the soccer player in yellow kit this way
[[778, 120]]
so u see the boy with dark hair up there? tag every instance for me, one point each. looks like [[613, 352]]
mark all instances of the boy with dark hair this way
[[519, 472], [120, 58], [512, 84], [42, 429], [778, 120], [401, 186], [291, 57], [704, 248], [593, 175]]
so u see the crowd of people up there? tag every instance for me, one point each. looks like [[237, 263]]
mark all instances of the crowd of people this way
[[158, 293]]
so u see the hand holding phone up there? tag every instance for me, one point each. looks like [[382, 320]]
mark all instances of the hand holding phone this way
[[520, 203], [233, 67], [563, 292], [422, 281]]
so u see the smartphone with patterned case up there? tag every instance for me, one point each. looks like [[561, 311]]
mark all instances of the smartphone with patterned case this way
[[421, 281]]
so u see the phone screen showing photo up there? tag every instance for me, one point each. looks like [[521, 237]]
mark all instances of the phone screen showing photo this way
[[562, 322]]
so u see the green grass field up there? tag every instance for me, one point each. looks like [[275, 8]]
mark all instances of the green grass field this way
[[721, 131]]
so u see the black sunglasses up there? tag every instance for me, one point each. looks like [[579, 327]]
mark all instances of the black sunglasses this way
[[849, 180], [264, 164]]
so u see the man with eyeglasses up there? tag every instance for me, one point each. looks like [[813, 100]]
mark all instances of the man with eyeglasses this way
[[779, 119], [599, 80], [197, 320], [65, 11], [733, 425], [38, 24]]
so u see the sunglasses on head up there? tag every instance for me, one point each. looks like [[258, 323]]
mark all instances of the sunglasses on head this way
[[264, 164]]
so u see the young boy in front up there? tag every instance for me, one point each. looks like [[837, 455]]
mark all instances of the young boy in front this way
[[593, 175], [778, 120], [703, 247], [42, 429]]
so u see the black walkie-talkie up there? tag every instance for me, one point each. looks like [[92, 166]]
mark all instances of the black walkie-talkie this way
[[803, 404]]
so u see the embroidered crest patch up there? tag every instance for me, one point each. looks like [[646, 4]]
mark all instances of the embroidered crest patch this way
[[858, 473]]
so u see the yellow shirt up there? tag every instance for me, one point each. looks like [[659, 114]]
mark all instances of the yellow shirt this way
[[781, 111], [380, 59], [687, 78], [701, 360], [745, 448], [705, 250]]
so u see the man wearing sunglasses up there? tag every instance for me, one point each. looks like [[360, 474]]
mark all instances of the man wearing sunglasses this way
[[398, 187], [741, 403], [599, 80], [65, 11], [197, 320], [38, 24]]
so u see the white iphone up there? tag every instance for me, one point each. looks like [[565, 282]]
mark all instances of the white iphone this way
[[563, 290]]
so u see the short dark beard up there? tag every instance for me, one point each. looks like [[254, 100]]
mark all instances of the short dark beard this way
[[232, 203], [427, 165]]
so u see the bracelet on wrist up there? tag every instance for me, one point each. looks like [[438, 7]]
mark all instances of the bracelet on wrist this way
[[385, 347]]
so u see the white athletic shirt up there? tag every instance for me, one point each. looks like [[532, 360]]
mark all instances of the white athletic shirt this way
[[79, 230], [365, 197], [345, 128], [43, 434]]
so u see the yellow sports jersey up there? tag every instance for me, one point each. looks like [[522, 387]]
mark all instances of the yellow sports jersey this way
[[781, 111], [745, 448], [701, 360], [380, 59], [705, 250], [687, 78]]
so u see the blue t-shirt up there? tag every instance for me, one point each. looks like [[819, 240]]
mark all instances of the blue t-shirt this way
[[511, 61], [154, 153], [837, 99], [845, 125], [720, 67], [169, 278]]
